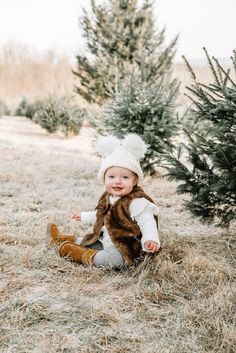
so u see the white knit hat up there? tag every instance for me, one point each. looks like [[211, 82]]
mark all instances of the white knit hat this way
[[125, 153]]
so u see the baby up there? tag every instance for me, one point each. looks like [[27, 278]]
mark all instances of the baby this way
[[125, 223]]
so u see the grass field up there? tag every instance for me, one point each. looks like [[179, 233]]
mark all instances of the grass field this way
[[181, 300]]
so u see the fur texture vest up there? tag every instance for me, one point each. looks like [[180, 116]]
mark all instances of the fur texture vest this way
[[124, 232]]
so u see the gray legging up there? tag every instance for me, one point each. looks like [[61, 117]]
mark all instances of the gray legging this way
[[108, 257]]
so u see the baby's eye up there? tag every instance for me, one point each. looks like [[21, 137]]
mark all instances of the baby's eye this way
[[111, 176], [125, 177]]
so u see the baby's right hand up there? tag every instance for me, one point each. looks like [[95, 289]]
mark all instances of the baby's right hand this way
[[76, 216]]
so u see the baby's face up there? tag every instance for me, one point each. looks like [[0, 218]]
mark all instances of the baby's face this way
[[119, 181]]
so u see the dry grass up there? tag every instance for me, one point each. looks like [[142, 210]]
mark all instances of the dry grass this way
[[182, 300]]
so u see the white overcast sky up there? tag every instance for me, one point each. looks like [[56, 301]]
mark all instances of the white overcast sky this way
[[50, 24]]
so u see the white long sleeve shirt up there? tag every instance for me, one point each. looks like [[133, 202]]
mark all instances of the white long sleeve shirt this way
[[141, 210]]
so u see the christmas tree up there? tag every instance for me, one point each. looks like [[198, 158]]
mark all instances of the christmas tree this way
[[209, 173], [118, 35], [146, 108]]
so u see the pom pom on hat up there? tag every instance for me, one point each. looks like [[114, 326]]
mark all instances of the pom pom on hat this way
[[106, 145], [135, 145], [124, 153]]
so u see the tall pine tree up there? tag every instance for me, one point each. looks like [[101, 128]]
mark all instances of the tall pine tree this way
[[118, 35], [209, 174]]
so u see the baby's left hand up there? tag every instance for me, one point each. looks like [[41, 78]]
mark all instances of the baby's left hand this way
[[151, 246]]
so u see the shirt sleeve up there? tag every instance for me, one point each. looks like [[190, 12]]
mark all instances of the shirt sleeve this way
[[88, 218], [143, 211]]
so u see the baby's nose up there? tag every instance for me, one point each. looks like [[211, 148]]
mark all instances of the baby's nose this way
[[117, 180]]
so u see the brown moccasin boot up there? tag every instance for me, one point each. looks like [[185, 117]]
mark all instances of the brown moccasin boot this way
[[54, 236], [77, 253]]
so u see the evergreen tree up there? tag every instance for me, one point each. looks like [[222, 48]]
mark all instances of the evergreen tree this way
[[119, 34], [58, 114], [144, 108], [26, 108], [209, 174]]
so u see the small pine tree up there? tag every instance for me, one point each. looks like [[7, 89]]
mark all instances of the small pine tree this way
[[118, 35], [144, 108], [26, 108], [209, 175], [59, 114]]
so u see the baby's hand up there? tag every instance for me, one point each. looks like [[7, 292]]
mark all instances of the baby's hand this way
[[151, 246], [76, 216]]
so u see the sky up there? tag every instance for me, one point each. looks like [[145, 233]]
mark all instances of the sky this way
[[54, 24]]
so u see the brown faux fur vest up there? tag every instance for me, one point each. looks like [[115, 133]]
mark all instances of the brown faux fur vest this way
[[124, 232]]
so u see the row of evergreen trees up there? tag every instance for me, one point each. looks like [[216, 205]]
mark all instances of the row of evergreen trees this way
[[126, 73]]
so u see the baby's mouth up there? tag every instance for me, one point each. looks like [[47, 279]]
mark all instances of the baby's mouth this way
[[117, 188]]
